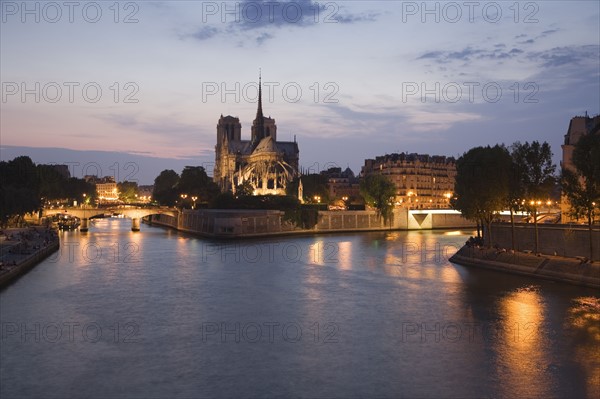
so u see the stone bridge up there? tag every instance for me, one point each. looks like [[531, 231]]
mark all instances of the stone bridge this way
[[135, 214]]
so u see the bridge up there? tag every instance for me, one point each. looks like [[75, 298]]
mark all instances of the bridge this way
[[134, 213]]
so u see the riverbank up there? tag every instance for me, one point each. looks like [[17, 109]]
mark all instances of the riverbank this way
[[576, 271], [566, 240], [229, 224], [22, 249]]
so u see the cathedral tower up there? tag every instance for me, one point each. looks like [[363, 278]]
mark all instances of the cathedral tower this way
[[228, 128], [262, 127]]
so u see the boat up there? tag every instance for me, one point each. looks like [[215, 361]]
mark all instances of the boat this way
[[68, 222]]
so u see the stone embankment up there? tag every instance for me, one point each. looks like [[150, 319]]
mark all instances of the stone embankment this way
[[215, 223], [22, 249], [577, 271]]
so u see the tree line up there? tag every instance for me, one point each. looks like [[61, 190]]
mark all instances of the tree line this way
[[25, 187], [521, 177], [172, 189]]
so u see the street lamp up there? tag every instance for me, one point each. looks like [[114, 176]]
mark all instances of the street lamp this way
[[194, 204], [183, 197]]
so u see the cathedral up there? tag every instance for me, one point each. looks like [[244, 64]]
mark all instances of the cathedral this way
[[263, 162]]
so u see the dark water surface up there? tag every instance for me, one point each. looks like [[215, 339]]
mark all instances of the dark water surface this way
[[158, 314]]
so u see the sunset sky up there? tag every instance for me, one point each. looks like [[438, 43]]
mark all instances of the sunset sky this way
[[354, 75]]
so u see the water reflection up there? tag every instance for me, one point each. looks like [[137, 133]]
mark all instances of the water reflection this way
[[583, 319], [522, 345], [317, 251], [344, 250], [415, 255]]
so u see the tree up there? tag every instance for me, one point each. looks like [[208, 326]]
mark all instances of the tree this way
[[165, 191], [244, 190], [378, 191], [482, 185], [313, 185], [23, 185], [582, 186], [194, 182], [19, 187], [516, 193], [52, 183], [536, 170], [128, 191], [75, 189]]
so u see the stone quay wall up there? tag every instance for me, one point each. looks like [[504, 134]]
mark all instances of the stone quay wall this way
[[556, 268], [24, 265], [256, 223], [569, 240]]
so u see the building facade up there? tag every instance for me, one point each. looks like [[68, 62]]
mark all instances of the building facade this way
[[263, 162], [579, 126], [342, 184], [422, 181], [106, 188]]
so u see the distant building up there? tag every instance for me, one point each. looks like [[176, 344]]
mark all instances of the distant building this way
[[106, 187], [96, 180], [266, 164], [107, 192], [578, 126], [342, 184], [422, 181], [145, 193]]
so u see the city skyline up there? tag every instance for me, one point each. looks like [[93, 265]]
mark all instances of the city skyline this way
[[364, 78]]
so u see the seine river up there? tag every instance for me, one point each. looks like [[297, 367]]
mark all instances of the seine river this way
[[158, 314]]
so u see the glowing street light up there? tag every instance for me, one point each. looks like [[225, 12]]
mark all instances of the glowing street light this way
[[183, 197]]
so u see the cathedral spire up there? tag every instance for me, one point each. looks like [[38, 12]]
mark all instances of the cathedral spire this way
[[259, 111], [258, 126]]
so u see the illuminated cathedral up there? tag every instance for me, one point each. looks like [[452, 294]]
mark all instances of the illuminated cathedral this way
[[266, 164]]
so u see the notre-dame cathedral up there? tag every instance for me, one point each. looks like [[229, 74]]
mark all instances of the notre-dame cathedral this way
[[267, 164]]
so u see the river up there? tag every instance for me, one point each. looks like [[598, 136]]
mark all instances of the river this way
[[159, 314]]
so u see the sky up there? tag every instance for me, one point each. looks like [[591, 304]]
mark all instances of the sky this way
[[111, 83]]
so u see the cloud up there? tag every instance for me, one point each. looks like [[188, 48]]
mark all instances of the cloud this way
[[204, 33], [567, 56], [385, 121], [542, 35], [549, 31], [432, 55], [469, 54], [262, 37], [463, 55], [263, 15], [165, 127], [352, 18], [266, 13], [423, 121]]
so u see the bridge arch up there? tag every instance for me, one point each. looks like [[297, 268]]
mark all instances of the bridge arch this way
[[135, 214]]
